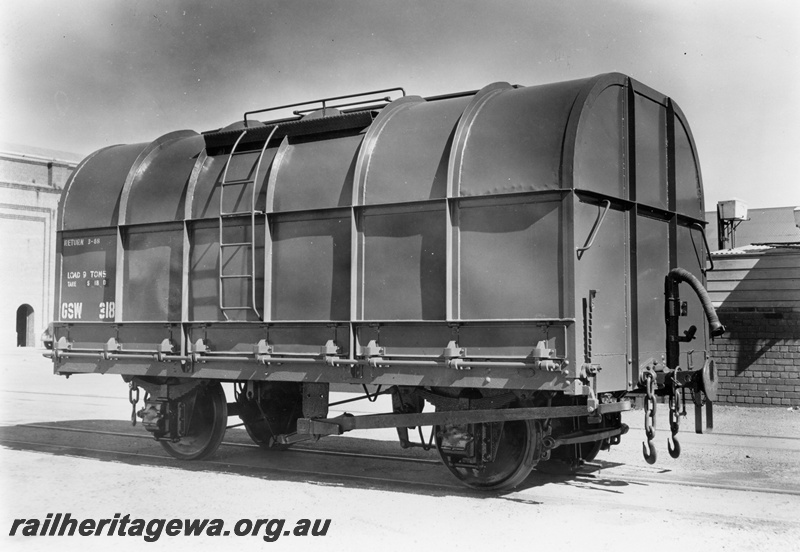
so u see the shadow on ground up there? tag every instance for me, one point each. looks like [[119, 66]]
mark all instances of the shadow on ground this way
[[336, 461]]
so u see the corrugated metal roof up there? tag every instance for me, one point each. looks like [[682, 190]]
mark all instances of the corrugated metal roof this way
[[743, 250], [759, 248], [769, 225]]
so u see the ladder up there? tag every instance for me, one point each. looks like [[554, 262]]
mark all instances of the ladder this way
[[227, 220]]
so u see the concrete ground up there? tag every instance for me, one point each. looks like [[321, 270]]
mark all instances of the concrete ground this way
[[698, 501]]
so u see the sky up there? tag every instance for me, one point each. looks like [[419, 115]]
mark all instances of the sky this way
[[79, 75]]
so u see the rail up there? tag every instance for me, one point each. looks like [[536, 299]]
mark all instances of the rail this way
[[324, 102]]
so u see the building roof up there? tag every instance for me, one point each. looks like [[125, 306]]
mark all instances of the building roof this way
[[41, 154], [773, 225], [788, 247]]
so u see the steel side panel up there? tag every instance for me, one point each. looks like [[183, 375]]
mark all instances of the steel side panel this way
[[311, 268], [509, 257], [91, 199], [404, 263], [462, 132], [600, 149], [651, 153], [653, 266], [515, 142], [409, 159], [317, 174], [88, 276], [159, 187], [206, 195], [204, 272], [602, 268], [688, 189], [152, 274]]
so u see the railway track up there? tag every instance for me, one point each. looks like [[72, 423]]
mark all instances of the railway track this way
[[301, 463], [363, 468], [297, 448]]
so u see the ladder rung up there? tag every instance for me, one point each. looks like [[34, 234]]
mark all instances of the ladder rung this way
[[245, 184], [239, 213], [240, 181]]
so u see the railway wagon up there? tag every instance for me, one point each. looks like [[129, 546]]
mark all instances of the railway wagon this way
[[505, 263]]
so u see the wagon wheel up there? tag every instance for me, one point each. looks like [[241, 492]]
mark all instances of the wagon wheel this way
[[209, 418], [518, 451], [273, 411]]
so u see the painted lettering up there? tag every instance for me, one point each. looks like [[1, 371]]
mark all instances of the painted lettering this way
[[71, 311], [107, 309]]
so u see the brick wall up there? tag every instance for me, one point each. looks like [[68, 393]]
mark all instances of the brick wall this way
[[758, 358]]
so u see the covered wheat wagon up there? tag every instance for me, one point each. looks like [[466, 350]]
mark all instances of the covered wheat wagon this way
[[501, 251]]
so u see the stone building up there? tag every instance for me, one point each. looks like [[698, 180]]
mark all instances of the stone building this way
[[31, 180]]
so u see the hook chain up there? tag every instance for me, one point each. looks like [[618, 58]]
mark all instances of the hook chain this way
[[675, 407], [133, 398], [648, 448]]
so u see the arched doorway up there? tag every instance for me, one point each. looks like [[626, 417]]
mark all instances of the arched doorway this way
[[25, 325]]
